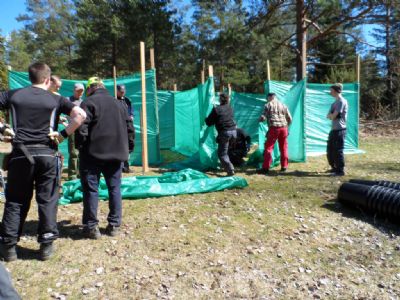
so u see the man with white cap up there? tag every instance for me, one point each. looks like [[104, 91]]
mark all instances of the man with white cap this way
[[73, 168]]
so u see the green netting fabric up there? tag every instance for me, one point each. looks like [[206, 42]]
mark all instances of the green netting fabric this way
[[166, 114], [133, 91], [184, 182]]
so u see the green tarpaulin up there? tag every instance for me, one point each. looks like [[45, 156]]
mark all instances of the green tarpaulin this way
[[176, 183], [134, 92]]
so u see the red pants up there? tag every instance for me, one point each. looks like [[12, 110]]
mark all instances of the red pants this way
[[280, 134]]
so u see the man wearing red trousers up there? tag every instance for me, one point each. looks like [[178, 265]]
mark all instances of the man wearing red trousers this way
[[278, 118]]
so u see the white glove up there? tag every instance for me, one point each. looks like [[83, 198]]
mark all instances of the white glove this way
[[8, 135]]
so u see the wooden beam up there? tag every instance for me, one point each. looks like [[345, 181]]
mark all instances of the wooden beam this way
[[358, 68], [268, 71], [175, 87], [203, 79], [210, 71], [145, 159], [115, 81], [152, 61]]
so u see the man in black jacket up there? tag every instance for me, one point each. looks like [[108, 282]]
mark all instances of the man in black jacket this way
[[34, 163], [222, 117], [104, 141]]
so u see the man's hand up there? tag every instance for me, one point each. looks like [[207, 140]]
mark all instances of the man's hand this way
[[64, 121], [56, 137], [261, 118], [8, 135]]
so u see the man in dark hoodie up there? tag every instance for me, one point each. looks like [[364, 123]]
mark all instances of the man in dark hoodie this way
[[222, 117], [104, 141]]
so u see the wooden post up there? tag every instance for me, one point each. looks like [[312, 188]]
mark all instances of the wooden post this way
[[229, 89], [115, 81], [358, 69], [268, 71], [210, 71], [145, 159], [152, 61], [175, 87], [203, 79]]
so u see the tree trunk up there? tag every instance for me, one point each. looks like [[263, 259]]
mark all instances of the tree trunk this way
[[301, 39]]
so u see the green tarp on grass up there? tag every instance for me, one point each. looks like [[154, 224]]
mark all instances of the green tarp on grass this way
[[187, 181]]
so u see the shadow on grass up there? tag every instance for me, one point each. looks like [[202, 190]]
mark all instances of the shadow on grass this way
[[385, 225], [295, 173], [65, 228]]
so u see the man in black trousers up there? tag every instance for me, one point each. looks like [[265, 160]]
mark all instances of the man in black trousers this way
[[34, 163], [104, 141], [222, 117]]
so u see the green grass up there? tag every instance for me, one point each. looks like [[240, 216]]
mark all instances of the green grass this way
[[283, 237]]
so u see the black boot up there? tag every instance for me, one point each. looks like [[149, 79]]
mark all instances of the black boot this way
[[9, 253], [46, 251]]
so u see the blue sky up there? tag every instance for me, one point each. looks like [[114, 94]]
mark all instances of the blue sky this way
[[12, 8]]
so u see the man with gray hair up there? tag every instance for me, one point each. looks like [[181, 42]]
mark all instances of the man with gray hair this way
[[337, 135]]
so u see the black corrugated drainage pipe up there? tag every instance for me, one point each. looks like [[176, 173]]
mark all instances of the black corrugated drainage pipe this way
[[374, 198], [389, 184]]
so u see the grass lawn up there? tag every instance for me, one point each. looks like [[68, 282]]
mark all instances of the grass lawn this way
[[283, 237]]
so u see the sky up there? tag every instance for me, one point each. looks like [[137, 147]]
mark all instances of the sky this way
[[12, 8]]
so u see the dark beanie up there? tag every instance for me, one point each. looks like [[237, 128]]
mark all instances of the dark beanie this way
[[337, 87], [223, 98]]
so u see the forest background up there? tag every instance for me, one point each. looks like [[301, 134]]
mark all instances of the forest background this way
[[316, 39]]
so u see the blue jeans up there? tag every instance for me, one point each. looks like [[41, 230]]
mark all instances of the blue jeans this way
[[90, 171], [335, 150], [223, 145]]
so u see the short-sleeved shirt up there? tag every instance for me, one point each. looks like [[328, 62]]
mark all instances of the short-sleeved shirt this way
[[33, 112], [75, 101], [341, 107]]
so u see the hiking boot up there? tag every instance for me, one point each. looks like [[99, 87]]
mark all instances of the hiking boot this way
[[338, 173], [46, 251], [262, 171], [231, 173], [9, 253], [92, 233], [112, 230]]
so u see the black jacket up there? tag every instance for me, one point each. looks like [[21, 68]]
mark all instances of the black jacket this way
[[107, 133], [222, 117]]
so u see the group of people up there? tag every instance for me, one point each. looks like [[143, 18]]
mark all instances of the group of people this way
[[278, 119], [100, 128]]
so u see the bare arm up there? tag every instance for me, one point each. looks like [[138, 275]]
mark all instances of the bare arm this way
[[78, 116]]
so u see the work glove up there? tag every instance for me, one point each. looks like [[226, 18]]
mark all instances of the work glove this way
[[56, 137], [8, 135]]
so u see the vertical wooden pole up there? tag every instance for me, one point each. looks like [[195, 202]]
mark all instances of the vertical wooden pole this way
[[210, 71], [203, 79], [115, 81], [152, 61], [145, 159], [175, 87], [268, 71], [358, 69], [229, 89]]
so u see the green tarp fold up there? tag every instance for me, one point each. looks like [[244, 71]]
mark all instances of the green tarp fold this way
[[187, 181]]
